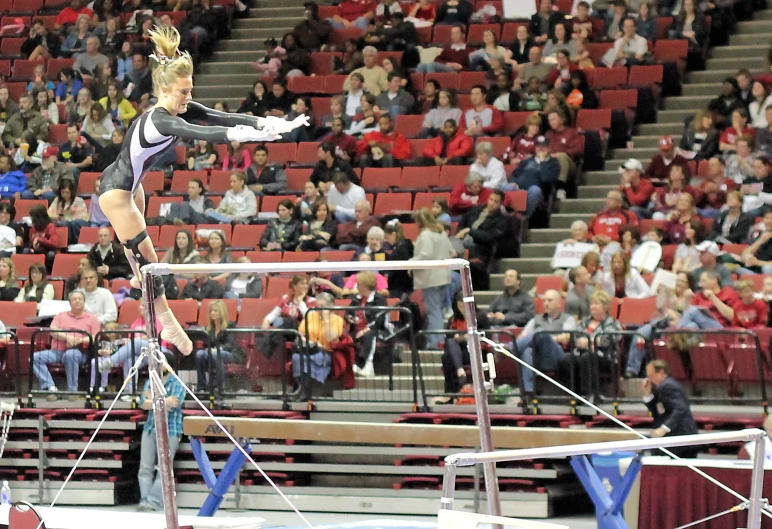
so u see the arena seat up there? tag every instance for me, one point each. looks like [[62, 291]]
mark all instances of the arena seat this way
[[11, 47], [333, 84], [299, 257], [424, 200], [66, 264], [297, 178], [247, 235], [450, 175], [281, 153], [180, 180], [307, 153], [258, 256], [417, 148], [379, 179], [277, 286], [545, 283], [55, 66], [323, 62], [17, 314], [24, 205], [446, 80], [637, 312], [24, 69], [672, 50], [219, 181], [168, 234], [645, 75], [408, 125], [153, 182], [441, 35], [271, 202], [419, 178], [23, 261], [304, 84], [89, 234], [468, 80], [339, 255], [615, 77], [514, 121], [392, 203], [225, 229], [500, 144], [154, 205], [87, 182], [186, 310], [593, 119]]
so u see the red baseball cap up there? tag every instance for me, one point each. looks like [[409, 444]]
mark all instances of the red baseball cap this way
[[665, 142], [50, 151]]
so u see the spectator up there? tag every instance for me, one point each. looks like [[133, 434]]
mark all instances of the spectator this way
[[456, 354], [435, 119], [757, 109], [297, 61], [542, 25], [665, 199], [99, 300], [329, 164], [202, 156], [637, 192], [744, 85], [7, 106], [77, 110], [98, 127], [138, 84], [383, 148], [395, 100], [580, 94], [559, 41], [124, 61], [453, 58], [13, 183], [345, 145], [711, 306], [352, 235], [201, 287], [283, 233], [537, 175], [367, 325], [763, 142], [75, 42], [337, 110], [108, 258], [319, 231], [225, 347], [524, 143], [37, 288], [292, 306], [749, 312], [43, 238], [375, 79], [690, 24], [727, 102], [367, 120], [27, 119], [354, 94], [40, 43], [320, 331], [739, 127], [353, 13], [658, 169], [709, 252], [549, 347], [578, 297], [501, 95], [482, 119], [535, 67], [400, 249], [422, 14], [432, 244], [489, 167], [700, 138], [468, 194], [351, 60], [758, 256], [596, 352], [757, 190], [68, 209], [68, 87], [280, 100], [514, 307], [89, 62], [687, 256], [520, 48], [454, 12], [11, 234], [679, 218], [313, 32], [255, 103], [184, 250], [200, 23], [629, 49], [739, 166], [668, 403], [40, 82], [119, 108], [646, 22], [71, 14], [732, 225], [76, 153], [109, 154], [75, 281], [604, 227], [243, 285], [237, 157], [66, 346], [615, 18], [450, 147], [218, 252], [483, 227], [263, 177], [343, 196], [238, 204], [490, 54], [9, 289], [565, 144], [623, 281]]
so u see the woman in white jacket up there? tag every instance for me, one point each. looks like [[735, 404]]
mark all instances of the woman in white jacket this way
[[622, 281], [432, 244]]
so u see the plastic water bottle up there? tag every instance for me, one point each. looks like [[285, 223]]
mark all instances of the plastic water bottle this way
[[5, 494]]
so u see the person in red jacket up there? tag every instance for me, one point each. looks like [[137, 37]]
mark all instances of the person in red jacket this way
[[604, 227], [749, 312], [384, 147], [42, 235], [468, 194], [451, 147], [565, 144], [659, 167], [637, 192]]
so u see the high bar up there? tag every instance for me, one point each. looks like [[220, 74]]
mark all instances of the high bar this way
[[324, 266], [468, 459]]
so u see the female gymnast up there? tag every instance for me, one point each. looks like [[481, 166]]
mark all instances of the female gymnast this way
[[121, 196]]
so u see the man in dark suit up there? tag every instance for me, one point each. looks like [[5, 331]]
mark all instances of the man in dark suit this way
[[482, 227], [668, 403]]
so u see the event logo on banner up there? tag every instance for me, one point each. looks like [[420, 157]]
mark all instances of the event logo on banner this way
[[570, 255]]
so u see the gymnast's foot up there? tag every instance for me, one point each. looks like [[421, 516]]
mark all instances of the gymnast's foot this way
[[174, 333]]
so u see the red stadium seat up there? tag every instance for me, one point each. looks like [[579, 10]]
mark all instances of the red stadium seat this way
[[87, 183], [417, 80], [66, 264], [609, 77], [323, 63], [417, 147], [424, 35], [441, 35], [509, 31], [11, 47], [672, 50], [305, 84], [180, 180], [154, 205], [663, 24], [623, 99], [393, 203], [186, 310], [645, 75], [24, 205], [408, 125], [598, 50], [24, 70], [246, 235], [447, 80], [270, 203], [475, 34], [299, 257], [338, 37], [297, 178], [394, 56], [419, 178], [62, 233], [168, 234], [57, 134], [381, 178], [516, 200], [264, 257], [464, 102], [225, 229], [253, 311], [514, 121], [219, 181], [500, 144], [424, 200], [468, 80], [637, 311], [5, 68], [23, 261], [153, 182], [594, 119], [277, 286], [339, 255], [128, 311], [333, 84], [89, 235], [450, 175], [307, 153], [545, 283], [281, 153], [17, 314], [320, 106], [55, 66]]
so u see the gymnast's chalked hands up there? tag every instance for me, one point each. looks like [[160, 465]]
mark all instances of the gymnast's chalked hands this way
[[246, 134], [282, 126]]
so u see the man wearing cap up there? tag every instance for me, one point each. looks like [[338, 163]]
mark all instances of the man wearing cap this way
[[708, 258], [637, 192], [536, 175], [75, 153], [659, 166], [46, 177], [27, 119], [604, 227]]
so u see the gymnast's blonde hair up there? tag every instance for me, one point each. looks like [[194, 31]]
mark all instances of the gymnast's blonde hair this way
[[170, 65]]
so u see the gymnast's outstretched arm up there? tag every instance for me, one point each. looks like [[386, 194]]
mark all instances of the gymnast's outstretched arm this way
[[169, 125], [197, 111]]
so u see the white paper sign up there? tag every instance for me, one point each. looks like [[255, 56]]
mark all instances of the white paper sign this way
[[663, 278], [647, 256], [519, 9], [569, 256]]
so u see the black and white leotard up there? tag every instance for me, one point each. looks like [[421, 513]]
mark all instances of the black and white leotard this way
[[156, 131]]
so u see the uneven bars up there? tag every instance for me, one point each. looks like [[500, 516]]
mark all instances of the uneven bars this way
[[468, 459], [323, 266]]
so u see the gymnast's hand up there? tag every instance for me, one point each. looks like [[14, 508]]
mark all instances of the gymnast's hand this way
[[245, 134], [282, 126]]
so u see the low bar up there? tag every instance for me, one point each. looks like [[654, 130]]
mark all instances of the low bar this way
[[469, 459], [324, 266]]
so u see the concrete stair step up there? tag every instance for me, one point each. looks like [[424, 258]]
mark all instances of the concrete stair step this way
[[639, 153], [537, 249], [245, 56], [224, 67], [765, 14], [589, 206], [564, 220], [282, 9], [652, 142], [700, 89], [529, 265], [602, 178], [224, 80], [713, 76], [690, 103], [747, 39], [249, 25], [753, 50], [375, 387], [405, 368], [268, 4], [222, 91], [676, 115], [596, 192], [661, 128], [755, 27], [254, 42], [549, 235], [750, 60]]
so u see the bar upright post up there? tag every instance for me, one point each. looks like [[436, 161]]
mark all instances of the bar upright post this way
[[757, 484]]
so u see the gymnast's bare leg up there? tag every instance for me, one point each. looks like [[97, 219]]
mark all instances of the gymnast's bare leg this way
[[126, 214]]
